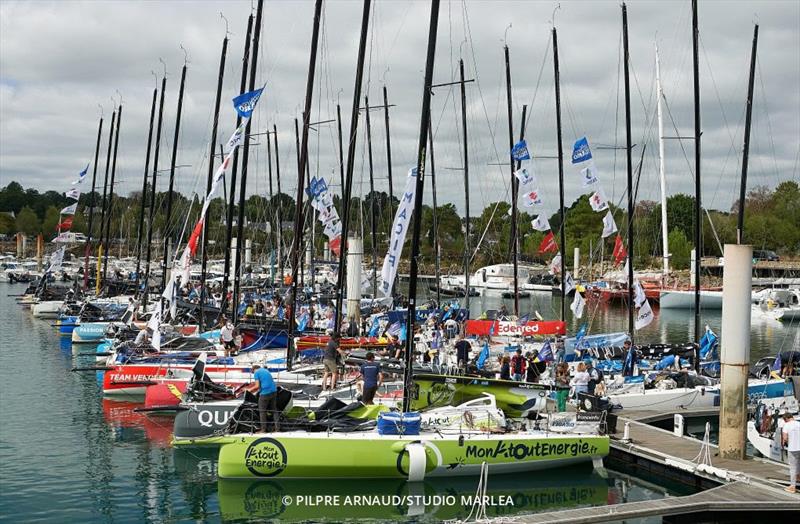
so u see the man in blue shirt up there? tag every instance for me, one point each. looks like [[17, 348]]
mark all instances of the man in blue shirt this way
[[371, 373], [267, 396]]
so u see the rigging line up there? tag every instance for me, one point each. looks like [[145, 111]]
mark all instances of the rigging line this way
[[538, 81], [716, 91], [766, 112]]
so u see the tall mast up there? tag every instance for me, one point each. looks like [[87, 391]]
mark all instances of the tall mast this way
[[698, 224], [341, 146], [388, 153], [240, 243], [150, 224], [271, 203], [301, 272], [279, 237], [92, 204], [210, 178], [562, 228], [234, 170], [425, 120], [298, 212], [514, 185], [372, 220], [629, 165], [111, 194], [351, 153], [746, 150], [167, 221], [140, 229], [514, 227], [466, 180], [101, 248], [435, 221], [662, 170]]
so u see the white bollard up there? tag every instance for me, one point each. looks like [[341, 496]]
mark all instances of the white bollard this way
[[678, 425], [355, 254], [626, 434], [576, 262]]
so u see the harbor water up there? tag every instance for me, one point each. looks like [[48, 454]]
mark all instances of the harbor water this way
[[68, 454]]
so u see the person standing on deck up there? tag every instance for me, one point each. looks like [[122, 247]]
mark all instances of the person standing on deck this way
[[267, 396], [463, 347], [790, 435], [518, 366], [330, 360], [226, 337], [373, 378]]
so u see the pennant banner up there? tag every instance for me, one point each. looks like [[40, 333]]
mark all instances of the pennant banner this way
[[540, 223], [399, 229], [598, 201], [65, 224], [645, 316], [619, 251], [531, 198], [520, 151], [548, 244], [555, 265], [245, 103], [569, 283], [70, 210], [581, 151], [525, 177], [56, 259], [589, 175], [577, 305], [73, 193], [81, 175], [639, 298], [609, 226]]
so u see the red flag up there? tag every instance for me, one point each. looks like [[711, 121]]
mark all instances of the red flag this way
[[66, 224], [619, 251], [336, 245], [548, 244], [195, 237]]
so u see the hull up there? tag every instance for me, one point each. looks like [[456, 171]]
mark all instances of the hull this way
[[676, 299], [769, 448], [308, 342], [90, 332], [66, 325], [47, 309], [370, 455]]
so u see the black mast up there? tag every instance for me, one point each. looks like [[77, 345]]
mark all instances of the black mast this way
[[341, 146], [105, 191], [435, 221], [164, 262], [240, 243], [698, 224], [279, 237], [372, 220], [514, 228], [140, 229], [629, 166], [351, 153], [466, 180], [562, 226], [234, 170], [111, 194], [388, 154], [88, 247], [299, 177], [746, 150], [514, 184], [150, 225], [271, 202], [209, 180]]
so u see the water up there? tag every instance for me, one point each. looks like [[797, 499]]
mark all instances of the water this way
[[68, 454]]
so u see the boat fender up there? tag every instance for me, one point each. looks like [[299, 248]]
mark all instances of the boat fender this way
[[417, 461]]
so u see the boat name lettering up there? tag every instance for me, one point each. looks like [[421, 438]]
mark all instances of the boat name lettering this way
[[521, 451], [265, 457], [132, 378], [206, 417]]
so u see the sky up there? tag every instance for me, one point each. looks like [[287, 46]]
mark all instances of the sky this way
[[64, 64]]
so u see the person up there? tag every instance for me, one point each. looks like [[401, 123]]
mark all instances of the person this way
[[330, 360], [629, 364], [143, 337], [536, 368], [560, 351], [595, 378], [580, 380], [259, 308], [450, 328], [505, 368], [562, 383], [518, 363], [373, 378], [463, 347], [267, 396], [790, 436], [226, 337]]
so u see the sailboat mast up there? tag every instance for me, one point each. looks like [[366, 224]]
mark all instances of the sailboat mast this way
[[170, 192], [101, 249], [299, 177], [435, 222], [111, 194], [140, 231], [372, 220], [341, 145], [514, 227], [514, 186], [279, 237], [150, 225], [629, 165], [240, 242], [351, 151], [388, 153], [746, 149], [210, 177], [466, 180], [92, 204], [425, 120], [562, 228], [698, 224], [662, 170], [234, 171]]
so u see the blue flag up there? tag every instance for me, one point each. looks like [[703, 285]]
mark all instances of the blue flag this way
[[246, 102], [580, 334], [394, 329], [520, 151], [546, 353], [524, 319], [708, 345], [302, 323], [376, 324], [484, 355], [581, 151]]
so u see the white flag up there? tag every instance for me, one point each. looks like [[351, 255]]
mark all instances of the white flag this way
[[399, 229], [540, 223], [589, 175], [609, 226], [525, 177], [598, 200], [70, 210], [73, 193], [577, 305], [531, 198], [236, 138], [56, 258], [624, 276], [569, 283], [155, 323], [639, 297], [555, 265], [645, 315]]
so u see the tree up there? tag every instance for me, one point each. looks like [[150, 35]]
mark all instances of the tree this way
[[6, 224], [27, 222], [51, 221], [12, 198], [680, 248]]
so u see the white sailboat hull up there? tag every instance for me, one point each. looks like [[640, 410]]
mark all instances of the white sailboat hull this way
[[678, 299]]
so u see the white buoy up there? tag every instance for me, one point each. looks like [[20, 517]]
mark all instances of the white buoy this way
[[355, 254], [737, 283]]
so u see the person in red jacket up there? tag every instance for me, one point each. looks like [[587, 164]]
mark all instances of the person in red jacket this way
[[518, 363]]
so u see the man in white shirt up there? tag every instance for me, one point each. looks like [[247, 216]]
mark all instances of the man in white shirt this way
[[791, 439]]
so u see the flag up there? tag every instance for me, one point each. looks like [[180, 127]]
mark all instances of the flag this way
[[644, 316], [336, 245], [525, 177], [376, 324], [70, 210], [81, 175], [302, 322], [523, 319], [577, 305], [66, 224], [609, 226], [483, 356], [236, 138], [394, 329], [402, 219], [589, 175], [531, 198], [598, 201], [581, 151], [546, 353], [195, 237], [569, 283], [548, 244], [555, 265], [520, 151], [154, 323], [580, 334], [56, 258], [73, 193], [619, 250], [246, 102], [540, 223], [639, 297]]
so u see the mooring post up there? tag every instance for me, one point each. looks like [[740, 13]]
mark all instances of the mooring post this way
[[355, 255], [735, 352]]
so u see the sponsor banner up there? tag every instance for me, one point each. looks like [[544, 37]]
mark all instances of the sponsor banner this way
[[509, 328]]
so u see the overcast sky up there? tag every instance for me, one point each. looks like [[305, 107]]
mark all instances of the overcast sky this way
[[59, 60]]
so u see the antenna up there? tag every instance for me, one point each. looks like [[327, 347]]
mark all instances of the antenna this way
[[154, 76], [226, 24], [164, 64], [505, 35], [102, 113], [185, 56], [120, 97], [553, 16]]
